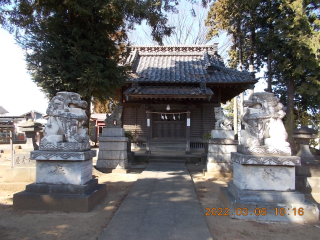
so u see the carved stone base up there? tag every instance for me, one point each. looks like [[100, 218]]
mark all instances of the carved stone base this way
[[58, 167], [274, 173], [264, 150], [253, 177], [284, 206], [63, 172], [60, 197], [247, 159], [64, 146]]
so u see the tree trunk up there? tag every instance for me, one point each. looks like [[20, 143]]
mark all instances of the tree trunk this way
[[269, 73], [88, 112], [251, 57], [240, 46], [289, 123], [269, 58], [252, 42]]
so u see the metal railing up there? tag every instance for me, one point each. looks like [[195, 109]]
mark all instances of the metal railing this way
[[196, 145]]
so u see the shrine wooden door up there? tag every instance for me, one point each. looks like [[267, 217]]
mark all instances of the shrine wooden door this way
[[169, 126]]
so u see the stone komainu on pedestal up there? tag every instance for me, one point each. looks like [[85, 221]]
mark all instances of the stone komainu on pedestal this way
[[63, 162], [222, 121], [263, 186], [220, 146], [113, 155], [114, 120]]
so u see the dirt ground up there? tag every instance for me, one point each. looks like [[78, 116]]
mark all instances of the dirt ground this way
[[27, 225], [225, 228]]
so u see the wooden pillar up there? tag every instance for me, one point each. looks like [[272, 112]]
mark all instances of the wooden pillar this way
[[241, 109], [241, 104], [11, 148], [235, 118], [96, 133], [148, 133], [188, 133]]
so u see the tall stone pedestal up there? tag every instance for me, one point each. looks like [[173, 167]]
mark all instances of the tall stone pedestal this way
[[263, 189], [308, 180], [308, 174], [63, 180], [112, 155], [219, 152]]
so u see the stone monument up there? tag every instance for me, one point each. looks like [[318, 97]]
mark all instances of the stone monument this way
[[221, 145], [24, 169], [112, 155], [263, 186], [308, 174], [63, 162]]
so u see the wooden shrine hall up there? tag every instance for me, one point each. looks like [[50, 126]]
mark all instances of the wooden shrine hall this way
[[168, 100]]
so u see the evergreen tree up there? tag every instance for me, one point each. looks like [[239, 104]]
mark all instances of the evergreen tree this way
[[77, 45], [282, 34]]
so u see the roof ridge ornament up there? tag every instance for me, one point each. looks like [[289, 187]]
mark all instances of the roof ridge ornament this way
[[175, 48]]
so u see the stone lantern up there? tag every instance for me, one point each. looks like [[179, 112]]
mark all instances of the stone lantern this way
[[31, 128], [303, 137]]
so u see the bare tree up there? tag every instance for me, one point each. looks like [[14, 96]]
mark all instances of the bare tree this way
[[189, 27]]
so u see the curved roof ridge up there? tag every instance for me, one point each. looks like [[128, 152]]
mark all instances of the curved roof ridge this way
[[231, 70]]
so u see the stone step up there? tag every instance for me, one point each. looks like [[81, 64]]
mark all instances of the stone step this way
[[168, 155], [168, 146], [173, 160], [168, 149]]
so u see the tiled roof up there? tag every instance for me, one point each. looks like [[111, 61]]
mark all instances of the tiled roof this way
[[2, 110], [165, 90], [182, 64]]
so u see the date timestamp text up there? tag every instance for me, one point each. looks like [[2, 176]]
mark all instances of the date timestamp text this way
[[258, 212]]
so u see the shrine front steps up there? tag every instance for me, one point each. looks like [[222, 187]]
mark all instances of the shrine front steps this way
[[164, 160], [169, 146], [167, 156]]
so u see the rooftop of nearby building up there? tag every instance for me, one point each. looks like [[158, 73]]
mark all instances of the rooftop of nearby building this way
[[3, 111]]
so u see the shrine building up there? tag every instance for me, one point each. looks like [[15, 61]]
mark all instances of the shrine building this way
[[169, 99]]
